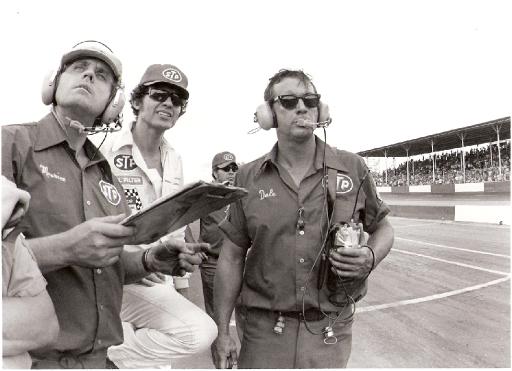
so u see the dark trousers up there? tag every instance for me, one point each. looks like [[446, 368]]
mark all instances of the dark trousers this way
[[296, 347]]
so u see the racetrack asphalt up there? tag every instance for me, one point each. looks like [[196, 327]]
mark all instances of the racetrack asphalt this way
[[441, 298]]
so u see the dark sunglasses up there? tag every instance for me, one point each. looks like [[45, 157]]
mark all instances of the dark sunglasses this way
[[232, 167], [161, 96], [290, 101]]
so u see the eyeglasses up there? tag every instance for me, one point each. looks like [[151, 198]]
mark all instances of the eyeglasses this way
[[161, 96], [232, 167], [290, 101]]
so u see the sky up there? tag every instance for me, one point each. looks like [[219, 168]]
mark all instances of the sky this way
[[389, 70]]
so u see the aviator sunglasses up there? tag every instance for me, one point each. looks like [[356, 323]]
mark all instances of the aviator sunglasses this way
[[161, 96], [290, 101], [232, 167]]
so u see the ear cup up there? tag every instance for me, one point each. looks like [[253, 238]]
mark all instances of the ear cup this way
[[114, 108], [48, 88], [264, 116], [323, 112]]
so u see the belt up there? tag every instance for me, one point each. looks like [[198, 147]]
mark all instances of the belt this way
[[309, 315]]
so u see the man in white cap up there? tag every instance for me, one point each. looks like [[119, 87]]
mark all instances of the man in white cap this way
[[72, 226], [159, 323]]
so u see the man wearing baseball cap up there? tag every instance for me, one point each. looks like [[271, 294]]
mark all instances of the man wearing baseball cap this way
[[72, 226], [224, 168], [159, 323]]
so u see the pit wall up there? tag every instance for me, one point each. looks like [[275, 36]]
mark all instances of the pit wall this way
[[497, 187]]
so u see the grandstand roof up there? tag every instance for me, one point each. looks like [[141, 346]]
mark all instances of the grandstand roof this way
[[474, 134]]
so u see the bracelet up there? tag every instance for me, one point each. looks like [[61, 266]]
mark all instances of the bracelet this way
[[145, 261]]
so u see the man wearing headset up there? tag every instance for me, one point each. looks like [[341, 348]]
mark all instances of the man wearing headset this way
[[159, 323], [72, 226], [298, 300]]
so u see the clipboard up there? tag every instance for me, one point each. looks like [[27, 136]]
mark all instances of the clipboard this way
[[169, 213]]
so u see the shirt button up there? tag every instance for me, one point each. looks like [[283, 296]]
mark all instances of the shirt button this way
[[302, 288], [301, 260], [301, 233], [100, 342], [99, 271], [101, 307], [88, 203]]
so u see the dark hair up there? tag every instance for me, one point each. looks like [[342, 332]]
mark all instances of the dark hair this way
[[282, 74], [136, 96]]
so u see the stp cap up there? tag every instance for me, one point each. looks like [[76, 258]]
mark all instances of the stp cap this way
[[223, 159], [168, 74], [94, 49]]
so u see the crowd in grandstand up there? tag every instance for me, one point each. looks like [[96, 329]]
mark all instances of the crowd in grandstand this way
[[481, 165]]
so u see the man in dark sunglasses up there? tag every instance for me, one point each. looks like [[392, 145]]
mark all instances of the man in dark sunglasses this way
[[160, 323], [298, 286]]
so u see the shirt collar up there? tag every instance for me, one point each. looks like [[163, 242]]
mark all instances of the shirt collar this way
[[332, 159], [49, 133], [125, 138]]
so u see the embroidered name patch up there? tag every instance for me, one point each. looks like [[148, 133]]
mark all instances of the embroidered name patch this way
[[344, 183], [110, 192], [264, 194], [48, 174]]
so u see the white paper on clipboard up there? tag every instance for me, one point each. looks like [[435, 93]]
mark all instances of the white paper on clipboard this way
[[169, 213]]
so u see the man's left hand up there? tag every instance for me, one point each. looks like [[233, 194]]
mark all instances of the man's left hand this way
[[351, 262], [176, 257]]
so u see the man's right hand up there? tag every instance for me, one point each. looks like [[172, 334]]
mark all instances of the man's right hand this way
[[224, 352], [98, 241]]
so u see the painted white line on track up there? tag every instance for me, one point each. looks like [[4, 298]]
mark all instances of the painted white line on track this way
[[400, 303], [414, 225], [453, 248], [452, 262]]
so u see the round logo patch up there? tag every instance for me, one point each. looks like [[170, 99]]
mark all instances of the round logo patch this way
[[228, 157], [172, 74], [124, 162], [110, 192], [343, 183]]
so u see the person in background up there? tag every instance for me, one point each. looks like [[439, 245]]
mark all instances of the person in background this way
[[28, 316], [298, 301], [73, 224], [159, 324]]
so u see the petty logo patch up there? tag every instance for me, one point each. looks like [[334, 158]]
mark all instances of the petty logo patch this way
[[343, 183], [133, 198], [125, 162], [172, 74], [110, 192]]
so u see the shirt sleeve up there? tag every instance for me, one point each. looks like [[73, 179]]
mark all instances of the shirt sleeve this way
[[375, 208], [23, 275]]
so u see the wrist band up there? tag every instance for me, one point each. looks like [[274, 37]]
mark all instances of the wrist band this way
[[145, 261]]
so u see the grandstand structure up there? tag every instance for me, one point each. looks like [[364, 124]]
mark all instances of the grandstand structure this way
[[495, 133]]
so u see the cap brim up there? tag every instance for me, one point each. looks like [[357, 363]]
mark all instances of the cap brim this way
[[83, 53], [224, 164], [183, 92]]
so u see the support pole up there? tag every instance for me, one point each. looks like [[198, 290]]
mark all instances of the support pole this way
[[433, 162]]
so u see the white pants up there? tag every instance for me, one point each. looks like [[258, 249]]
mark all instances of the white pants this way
[[160, 324]]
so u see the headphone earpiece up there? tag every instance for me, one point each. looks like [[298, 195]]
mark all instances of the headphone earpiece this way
[[112, 111], [266, 118], [48, 88], [323, 112]]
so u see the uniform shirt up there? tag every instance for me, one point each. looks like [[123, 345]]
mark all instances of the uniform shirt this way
[[38, 159], [143, 185], [281, 252], [210, 232], [21, 277]]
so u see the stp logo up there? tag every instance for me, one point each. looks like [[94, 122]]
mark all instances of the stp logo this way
[[172, 74], [110, 192], [228, 157], [125, 162], [343, 183]]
